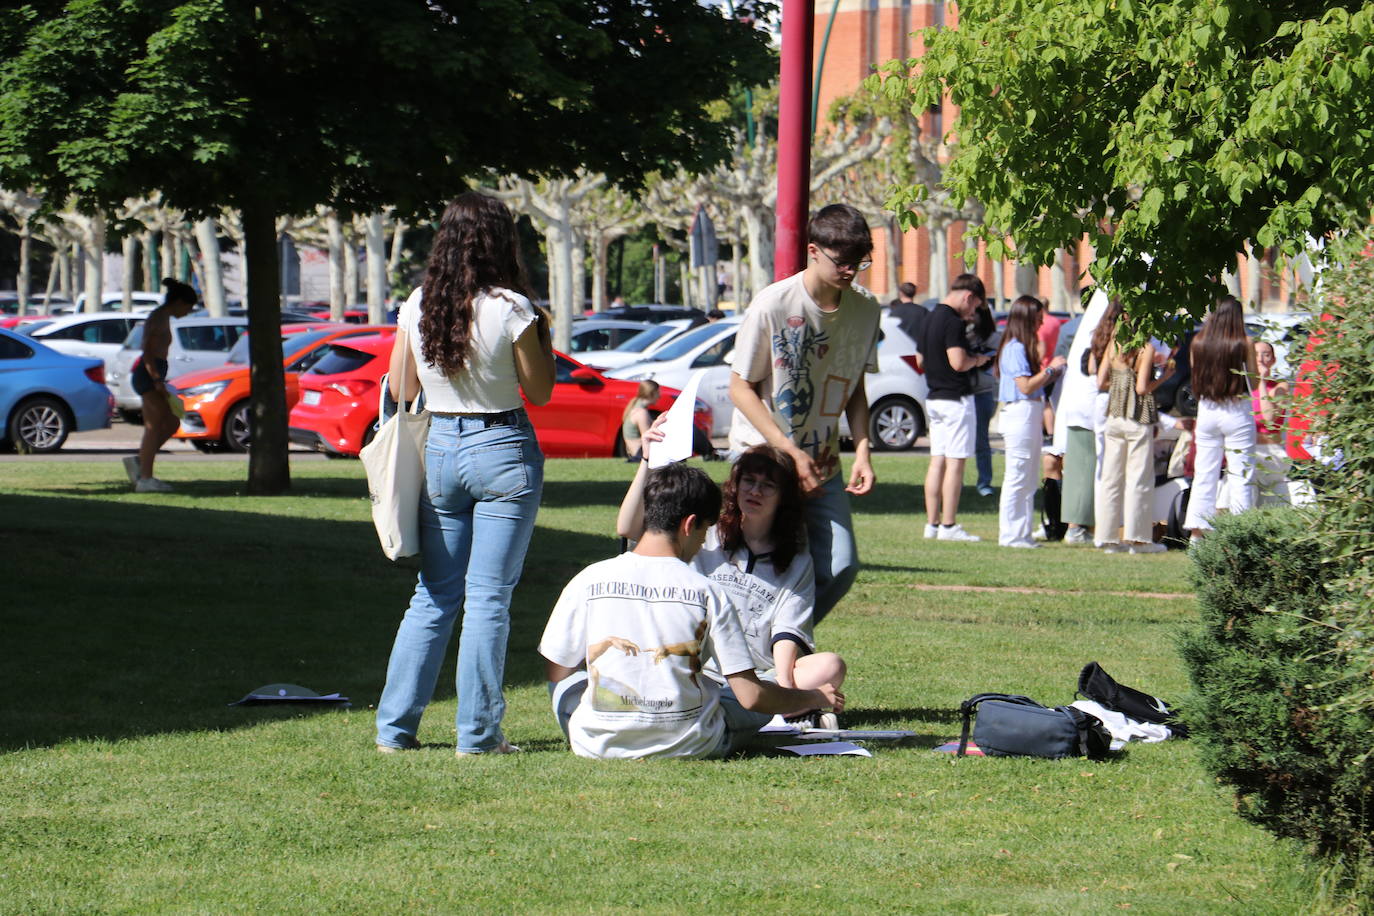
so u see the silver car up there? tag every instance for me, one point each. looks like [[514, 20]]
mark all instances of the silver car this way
[[101, 336], [197, 343]]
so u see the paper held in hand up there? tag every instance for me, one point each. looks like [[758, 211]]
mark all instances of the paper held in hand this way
[[677, 428]]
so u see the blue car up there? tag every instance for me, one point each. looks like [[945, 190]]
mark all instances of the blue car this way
[[44, 395]]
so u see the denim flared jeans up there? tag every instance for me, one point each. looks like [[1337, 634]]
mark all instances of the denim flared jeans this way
[[482, 490]]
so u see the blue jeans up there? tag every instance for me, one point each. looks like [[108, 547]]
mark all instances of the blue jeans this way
[[830, 536], [984, 405], [482, 489]]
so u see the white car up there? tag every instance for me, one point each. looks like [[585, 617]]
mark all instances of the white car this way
[[113, 302], [896, 393], [706, 346], [640, 347], [596, 335], [100, 336], [197, 343]]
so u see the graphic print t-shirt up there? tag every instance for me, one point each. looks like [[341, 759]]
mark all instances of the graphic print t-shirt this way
[[645, 627], [809, 362], [771, 605]]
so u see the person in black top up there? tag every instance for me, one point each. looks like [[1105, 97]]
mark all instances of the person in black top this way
[[911, 316], [947, 359]]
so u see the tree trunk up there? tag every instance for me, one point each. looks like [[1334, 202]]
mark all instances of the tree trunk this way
[[579, 272], [129, 245], [736, 277], [167, 254], [377, 286], [54, 272], [350, 264], [151, 281], [1059, 296], [25, 265], [938, 240], [269, 471], [93, 261], [759, 225], [336, 268], [600, 255], [560, 286], [894, 259], [208, 238], [684, 278], [1252, 280], [398, 236], [1027, 280], [660, 275]]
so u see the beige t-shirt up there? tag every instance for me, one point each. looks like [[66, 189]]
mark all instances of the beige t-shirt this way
[[809, 361]]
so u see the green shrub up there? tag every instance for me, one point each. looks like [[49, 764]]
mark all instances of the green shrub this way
[[1269, 675]]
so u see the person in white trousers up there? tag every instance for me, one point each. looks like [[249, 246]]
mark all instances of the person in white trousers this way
[[1021, 391], [1223, 362]]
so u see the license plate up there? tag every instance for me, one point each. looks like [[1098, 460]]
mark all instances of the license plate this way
[[310, 398]]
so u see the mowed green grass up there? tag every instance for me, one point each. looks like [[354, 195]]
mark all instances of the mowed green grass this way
[[127, 784]]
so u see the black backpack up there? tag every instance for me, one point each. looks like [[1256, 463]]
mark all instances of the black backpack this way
[[1010, 725], [1100, 687]]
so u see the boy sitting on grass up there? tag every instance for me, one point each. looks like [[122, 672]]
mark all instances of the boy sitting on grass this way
[[625, 645]]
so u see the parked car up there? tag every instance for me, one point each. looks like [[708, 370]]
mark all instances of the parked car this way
[[354, 314], [9, 308], [197, 343], [604, 334], [896, 393], [337, 410], [704, 347], [216, 400], [639, 347], [46, 395], [114, 301], [100, 336], [653, 312]]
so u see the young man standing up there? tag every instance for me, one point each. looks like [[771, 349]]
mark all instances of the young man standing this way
[[627, 644], [949, 405], [149, 381], [800, 355]]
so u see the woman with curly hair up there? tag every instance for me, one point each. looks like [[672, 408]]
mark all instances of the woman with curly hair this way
[[757, 553], [1223, 361], [471, 340]]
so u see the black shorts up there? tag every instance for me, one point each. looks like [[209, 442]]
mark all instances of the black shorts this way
[[142, 382]]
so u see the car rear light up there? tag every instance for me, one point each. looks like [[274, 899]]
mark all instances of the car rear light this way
[[353, 388], [913, 363], [96, 374]]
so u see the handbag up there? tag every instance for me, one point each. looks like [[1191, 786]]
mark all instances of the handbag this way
[[1100, 687], [395, 464], [1010, 725]]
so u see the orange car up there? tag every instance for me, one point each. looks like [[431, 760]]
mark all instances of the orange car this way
[[216, 400]]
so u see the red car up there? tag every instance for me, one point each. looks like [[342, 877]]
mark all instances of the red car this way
[[337, 409], [216, 400]]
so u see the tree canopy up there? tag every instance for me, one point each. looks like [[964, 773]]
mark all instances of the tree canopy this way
[[275, 106], [1170, 132]]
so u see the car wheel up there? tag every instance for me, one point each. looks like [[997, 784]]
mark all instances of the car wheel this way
[[132, 417], [238, 427], [895, 423], [39, 425]]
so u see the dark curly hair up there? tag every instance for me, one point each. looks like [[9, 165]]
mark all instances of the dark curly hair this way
[[475, 250], [788, 532]]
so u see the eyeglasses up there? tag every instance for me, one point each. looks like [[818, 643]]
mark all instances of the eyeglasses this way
[[857, 267]]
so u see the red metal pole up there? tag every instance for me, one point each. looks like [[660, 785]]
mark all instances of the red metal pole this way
[[794, 138]]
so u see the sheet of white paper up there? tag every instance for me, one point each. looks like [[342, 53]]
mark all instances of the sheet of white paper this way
[[855, 734], [677, 429], [832, 748]]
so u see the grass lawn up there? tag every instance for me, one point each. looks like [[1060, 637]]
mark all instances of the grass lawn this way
[[127, 784]]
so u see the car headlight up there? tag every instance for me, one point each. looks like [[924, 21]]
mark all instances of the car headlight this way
[[208, 390]]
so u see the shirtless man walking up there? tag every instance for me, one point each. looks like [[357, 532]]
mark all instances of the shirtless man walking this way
[[150, 382]]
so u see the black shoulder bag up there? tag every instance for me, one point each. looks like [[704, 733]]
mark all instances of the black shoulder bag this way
[[1015, 726]]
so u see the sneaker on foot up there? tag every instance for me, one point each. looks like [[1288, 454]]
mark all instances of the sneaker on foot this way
[[1023, 544], [956, 532], [986, 490], [152, 485], [404, 743], [1113, 547], [828, 721], [932, 531], [1077, 536], [131, 468], [1150, 547]]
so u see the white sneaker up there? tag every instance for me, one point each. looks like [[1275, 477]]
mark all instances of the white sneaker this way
[[956, 533], [932, 531], [131, 468], [152, 485], [1113, 547], [1039, 534], [1021, 544], [1077, 536], [1148, 548]]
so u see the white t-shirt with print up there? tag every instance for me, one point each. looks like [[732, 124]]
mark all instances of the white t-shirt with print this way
[[488, 382], [769, 604], [809, 361], [645, 627]]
